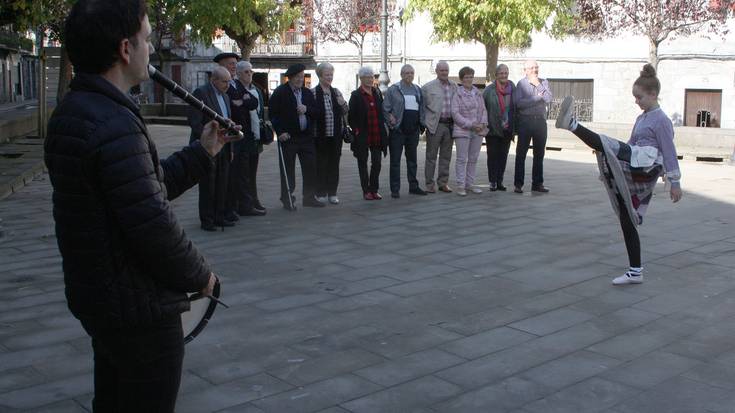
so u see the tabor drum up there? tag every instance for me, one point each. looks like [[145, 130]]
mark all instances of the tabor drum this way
[[200, 312]]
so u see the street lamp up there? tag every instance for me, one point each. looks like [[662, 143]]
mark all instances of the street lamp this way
[[383, 79]]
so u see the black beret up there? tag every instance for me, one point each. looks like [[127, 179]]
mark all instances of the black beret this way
[[294, 69], [225, 56]]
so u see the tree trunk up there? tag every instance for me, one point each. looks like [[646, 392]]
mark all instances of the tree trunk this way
[[360, 50], [246, 45], [164, 107], [64, 74], [491, 60], [653, 53], [245, 50]]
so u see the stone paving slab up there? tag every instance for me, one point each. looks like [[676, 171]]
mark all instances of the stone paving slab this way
[[497, 302]]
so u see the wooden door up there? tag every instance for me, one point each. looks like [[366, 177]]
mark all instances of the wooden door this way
[[176, 73], [699, 101]]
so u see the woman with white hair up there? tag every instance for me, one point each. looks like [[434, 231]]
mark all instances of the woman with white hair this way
[[329, 131], [371, 137]]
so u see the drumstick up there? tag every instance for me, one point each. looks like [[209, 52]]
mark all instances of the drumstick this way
[[187, 97], [217, 300], [197, 296]]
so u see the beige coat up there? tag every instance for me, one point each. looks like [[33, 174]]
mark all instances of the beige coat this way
[[433, 102]]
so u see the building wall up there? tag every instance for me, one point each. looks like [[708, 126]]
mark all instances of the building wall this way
[[696, 62]]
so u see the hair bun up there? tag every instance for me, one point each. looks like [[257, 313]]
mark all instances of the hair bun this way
[[648, 71]]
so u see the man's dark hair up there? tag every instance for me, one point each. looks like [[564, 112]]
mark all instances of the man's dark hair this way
[[94, 29]]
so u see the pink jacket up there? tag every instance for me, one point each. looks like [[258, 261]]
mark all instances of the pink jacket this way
[[468, 108]]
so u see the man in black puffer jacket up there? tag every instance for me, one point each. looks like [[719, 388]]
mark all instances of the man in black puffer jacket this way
[[127, 262]]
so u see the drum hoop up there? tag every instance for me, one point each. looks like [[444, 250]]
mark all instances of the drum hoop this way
[[207, 315]]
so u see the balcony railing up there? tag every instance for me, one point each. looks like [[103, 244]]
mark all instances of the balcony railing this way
[[289, 44]]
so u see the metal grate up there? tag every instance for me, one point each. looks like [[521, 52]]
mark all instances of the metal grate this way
[[582, 109]]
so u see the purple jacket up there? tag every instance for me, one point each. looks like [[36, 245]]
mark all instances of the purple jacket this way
[[468, 109]]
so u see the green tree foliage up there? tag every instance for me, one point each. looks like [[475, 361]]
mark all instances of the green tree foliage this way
[[45, 17], [493, 23], [167, 21], [244, 21]]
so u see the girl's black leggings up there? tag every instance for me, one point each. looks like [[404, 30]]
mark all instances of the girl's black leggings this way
[[630, 233]]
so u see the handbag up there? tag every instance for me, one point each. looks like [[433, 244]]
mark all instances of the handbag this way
[[266, 132], [348, 135]]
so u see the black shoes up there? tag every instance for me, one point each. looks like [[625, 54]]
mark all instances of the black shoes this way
[[414, 191], [251, 212], [417, 191], [212, 226], [258, 205], [313, 203], [535, 188], [209, 227], [231, 216], [501, 188]]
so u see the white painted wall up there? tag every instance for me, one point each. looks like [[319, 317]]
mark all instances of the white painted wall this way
[[687, 63]]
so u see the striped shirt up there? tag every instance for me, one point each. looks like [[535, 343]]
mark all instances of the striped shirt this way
[[328, 112], [447, 106]]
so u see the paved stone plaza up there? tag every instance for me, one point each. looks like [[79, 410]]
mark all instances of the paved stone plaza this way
[[490, 303]]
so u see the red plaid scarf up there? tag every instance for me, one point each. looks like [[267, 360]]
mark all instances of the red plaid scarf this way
[[502, 92]]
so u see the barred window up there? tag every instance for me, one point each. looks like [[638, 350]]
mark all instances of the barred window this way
[[583, 92]]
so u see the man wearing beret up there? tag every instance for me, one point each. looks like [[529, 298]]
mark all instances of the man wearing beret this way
[[228, 61], [293, 111]]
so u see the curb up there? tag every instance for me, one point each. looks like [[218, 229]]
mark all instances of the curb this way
[[22, 161], [28, 175]]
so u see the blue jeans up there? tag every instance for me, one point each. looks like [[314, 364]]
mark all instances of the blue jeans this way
[[397, 142], [530, 128]]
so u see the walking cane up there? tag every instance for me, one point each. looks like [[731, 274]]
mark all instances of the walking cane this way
[[285, 175]]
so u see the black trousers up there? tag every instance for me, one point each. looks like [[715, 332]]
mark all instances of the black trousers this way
[[328, 153], [630, 233], [137, 370], [304, 148], [530, 128], [497, 157], [243, 193], [399, 140], [214, 188], [370, 182]]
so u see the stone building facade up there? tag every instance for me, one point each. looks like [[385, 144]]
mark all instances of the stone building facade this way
[[697, 73]]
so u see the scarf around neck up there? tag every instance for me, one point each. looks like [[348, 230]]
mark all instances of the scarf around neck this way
[[502, 92]]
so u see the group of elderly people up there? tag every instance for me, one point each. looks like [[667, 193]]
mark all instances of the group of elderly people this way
[[451, 115], [312, 124]]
